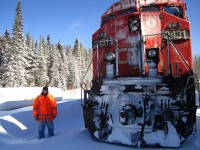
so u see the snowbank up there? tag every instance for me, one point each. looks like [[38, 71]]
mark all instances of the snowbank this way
[[72, 94], [23, 96]]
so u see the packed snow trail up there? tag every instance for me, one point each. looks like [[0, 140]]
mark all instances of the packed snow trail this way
[[18, 131]]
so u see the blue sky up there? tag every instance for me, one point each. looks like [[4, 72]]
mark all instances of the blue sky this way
[[65, 20]]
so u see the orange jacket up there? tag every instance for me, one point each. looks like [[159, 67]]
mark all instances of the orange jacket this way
[[45, 108]]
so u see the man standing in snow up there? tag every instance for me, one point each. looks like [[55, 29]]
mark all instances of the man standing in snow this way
[[45, 111]]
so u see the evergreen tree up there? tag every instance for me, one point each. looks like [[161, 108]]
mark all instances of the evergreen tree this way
[[8, 65], [31, 60], [77, 67], [80, 62], [68, 51], [71, 70], [63, 66], [19, 50], [83, 61], [55, 69], [88, 72], [2, 49], [37, 59], [41, 70], [196, 65], [49, 51], [36, 47], [76, 50]]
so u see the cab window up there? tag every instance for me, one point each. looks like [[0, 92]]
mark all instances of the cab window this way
[[174, 10], [129, 11], [107, 19], [149, 8]]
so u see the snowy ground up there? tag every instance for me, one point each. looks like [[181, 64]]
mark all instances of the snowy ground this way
[[18, 130]]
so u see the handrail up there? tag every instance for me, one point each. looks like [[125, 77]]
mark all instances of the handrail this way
[[83, 83], [117, 57], [169, 57], [98, 71], [187, 66], [87, 69], [99, 61], [193, 75]]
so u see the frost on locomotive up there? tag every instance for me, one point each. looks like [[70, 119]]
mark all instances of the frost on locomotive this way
[[143, 91]]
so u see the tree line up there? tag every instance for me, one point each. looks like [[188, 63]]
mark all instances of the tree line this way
[[196, 64], [26, 62]]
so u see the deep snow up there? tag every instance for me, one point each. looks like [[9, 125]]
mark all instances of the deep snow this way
[[18, 130]]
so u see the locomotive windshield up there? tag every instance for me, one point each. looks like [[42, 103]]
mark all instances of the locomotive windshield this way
[[132, 10], [107, 19], [174, 10], [149, 8]]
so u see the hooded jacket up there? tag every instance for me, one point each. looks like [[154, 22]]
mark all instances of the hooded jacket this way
[[45, 108]]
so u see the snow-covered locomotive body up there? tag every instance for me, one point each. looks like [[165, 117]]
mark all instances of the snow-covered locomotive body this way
[[143, 87]]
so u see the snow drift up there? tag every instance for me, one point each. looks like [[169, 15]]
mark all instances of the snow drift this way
[[23, 96]]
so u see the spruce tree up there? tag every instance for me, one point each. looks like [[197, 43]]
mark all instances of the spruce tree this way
[[41, 70], [70, 69], [2, 48], [76, 50], [49, 51], [68, 50], [19, 63], [8, 79], [63, 66], [36, 70], [55, 69], [31, 65], [88, 72]]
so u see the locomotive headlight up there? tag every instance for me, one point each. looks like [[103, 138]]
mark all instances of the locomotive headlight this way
[[133, 24], [133, 20], [109, 57], [134, 28], [152, 53]]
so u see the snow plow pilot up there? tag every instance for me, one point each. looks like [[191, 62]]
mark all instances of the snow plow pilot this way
[[45, 111]]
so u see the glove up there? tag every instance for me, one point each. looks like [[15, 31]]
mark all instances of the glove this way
[[36, 118]]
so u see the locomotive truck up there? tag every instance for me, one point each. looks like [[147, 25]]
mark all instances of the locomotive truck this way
[[144, 90]]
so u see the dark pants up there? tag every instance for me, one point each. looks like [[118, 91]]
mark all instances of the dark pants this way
[[41, 129]]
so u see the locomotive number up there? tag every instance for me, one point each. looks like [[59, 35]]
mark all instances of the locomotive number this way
[[176, 34], [102, 43]]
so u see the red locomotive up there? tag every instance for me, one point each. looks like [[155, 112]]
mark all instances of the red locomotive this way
[[143, 87]]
